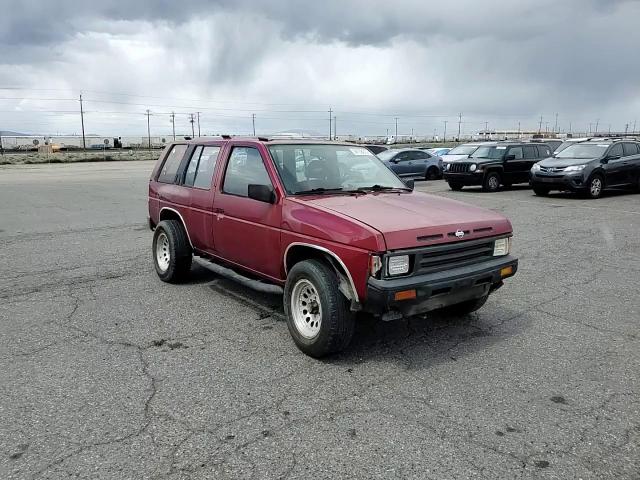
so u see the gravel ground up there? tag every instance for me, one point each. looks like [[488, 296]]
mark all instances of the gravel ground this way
[[106, 372], [28, 158]]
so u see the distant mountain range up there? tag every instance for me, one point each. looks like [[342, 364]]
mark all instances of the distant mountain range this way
[[7, 133]]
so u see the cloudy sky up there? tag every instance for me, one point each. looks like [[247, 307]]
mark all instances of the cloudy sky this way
[[500, 62]]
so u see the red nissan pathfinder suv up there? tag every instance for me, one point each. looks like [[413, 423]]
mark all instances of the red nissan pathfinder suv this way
[[331, 224]]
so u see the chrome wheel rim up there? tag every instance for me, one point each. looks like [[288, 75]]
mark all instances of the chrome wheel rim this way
[[493, 183], [306, 308], [163, 256], [596, 187]]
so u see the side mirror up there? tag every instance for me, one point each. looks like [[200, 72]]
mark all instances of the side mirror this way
[[394, 160], [262, 193], [410, 183], [611, 157], [510, 157]]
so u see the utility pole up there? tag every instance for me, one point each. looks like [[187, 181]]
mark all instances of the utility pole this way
[[148, 114], [84, 142], [634, 126], [198, 123], [570, 130], [610, 129], [330, 118], [1, 147], [396, 129], [597, 122], [173, 124], [540, 125], [626, 128], [335, 127], [486, 129], [444, 137], [253, 122], [555, 127], [459, 125], [518, 130], [192, 121]]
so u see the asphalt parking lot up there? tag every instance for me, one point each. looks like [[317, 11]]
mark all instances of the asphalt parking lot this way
[[107, 372]]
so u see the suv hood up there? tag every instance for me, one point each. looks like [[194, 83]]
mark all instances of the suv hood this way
[[453, 158], [415, 219], [564, 162]]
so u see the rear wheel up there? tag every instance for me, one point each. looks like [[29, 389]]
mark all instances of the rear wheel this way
[[455, 186], [318, 314], [491, 182], [172, 253], [464, 308], [541, 191], [433, 173], [595, 186]]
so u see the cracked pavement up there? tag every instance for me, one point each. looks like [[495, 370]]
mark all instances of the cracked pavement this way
[[106, 372]]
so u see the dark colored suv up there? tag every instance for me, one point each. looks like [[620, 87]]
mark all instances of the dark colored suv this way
[[495, 164], [589, 167]]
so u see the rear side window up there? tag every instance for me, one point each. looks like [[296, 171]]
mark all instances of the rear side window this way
[[630, 149], [245, 167], [543, 151], [201, 167], [529, 151], [516, 151], [170, 167]]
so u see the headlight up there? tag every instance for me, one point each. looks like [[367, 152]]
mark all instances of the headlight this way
[[535, 167], [502, 247], [574, 168], [446, 166], [473, 167], [398, 265]]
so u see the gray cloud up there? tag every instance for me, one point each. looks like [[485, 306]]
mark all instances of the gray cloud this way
[[500, 61]]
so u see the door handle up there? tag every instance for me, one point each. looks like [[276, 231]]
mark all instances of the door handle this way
[[218, 210]]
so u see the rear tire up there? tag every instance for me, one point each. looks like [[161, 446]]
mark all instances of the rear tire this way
[[433, 173], [491, 182], [464, 308], [456, 187], [172, 254], [541, 191], [318, 314]]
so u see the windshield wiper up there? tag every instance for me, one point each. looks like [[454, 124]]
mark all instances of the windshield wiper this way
[[380, 188], [320, 190]]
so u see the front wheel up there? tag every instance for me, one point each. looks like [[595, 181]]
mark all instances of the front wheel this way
[[318, 314], [491, 182], [595, 186], [541, 191], [455, 186]]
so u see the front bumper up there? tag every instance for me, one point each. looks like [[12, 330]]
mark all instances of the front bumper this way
[[465, 178], [437, 290], [562, 181]]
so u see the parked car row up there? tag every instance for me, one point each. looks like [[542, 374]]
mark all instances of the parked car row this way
[[585, 165]]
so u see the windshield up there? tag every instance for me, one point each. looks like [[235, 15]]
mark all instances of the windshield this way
[[583, 150], [463, 150], [387, 154], [489, 152], [316, 168]]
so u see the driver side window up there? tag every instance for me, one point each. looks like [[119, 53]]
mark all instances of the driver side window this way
[[615, 151], [245, 167]]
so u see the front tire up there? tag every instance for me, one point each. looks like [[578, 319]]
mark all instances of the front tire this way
[[318, 314], [595, 187], [541, 191], [455, 186], [491, 182], [172, 254]]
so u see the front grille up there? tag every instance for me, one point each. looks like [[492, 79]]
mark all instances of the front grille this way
[[451, 255], [457, 167], [551, 169]]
